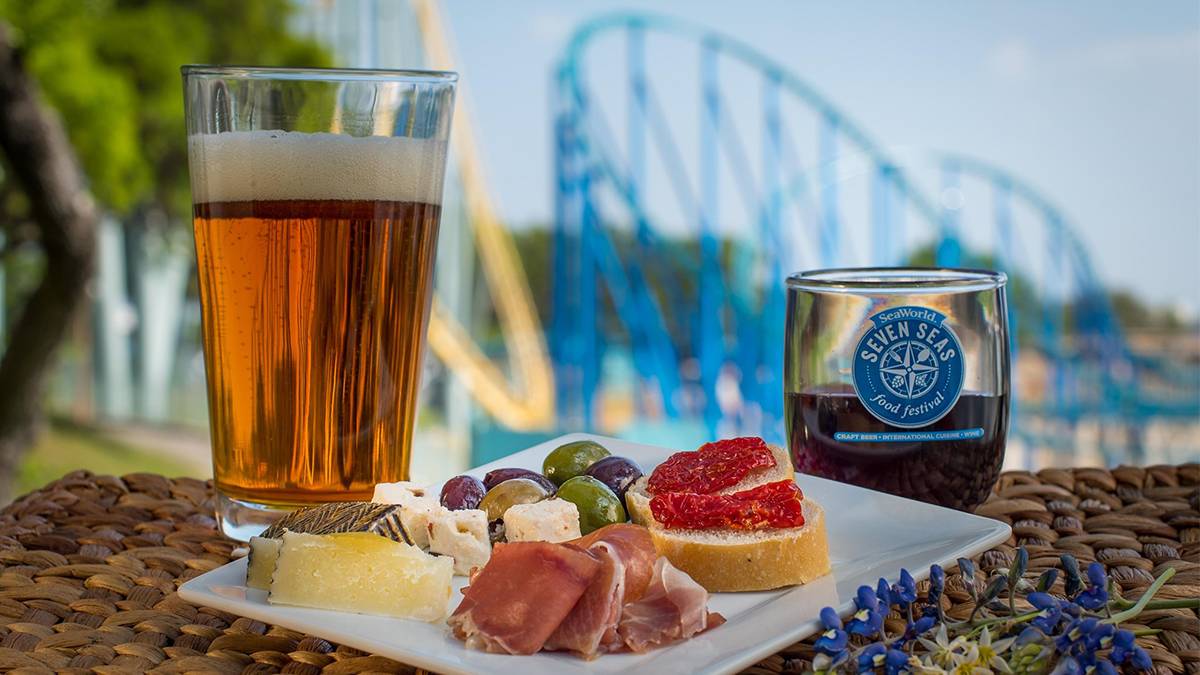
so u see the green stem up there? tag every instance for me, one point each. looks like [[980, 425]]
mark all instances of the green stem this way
[[1120, 617], [1183, 603], [1147, 631], [1020, 618]]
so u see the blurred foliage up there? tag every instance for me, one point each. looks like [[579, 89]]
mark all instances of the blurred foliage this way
[[673, 275], [1023, 300], [1132, 312], [66, 447], [111, 69], [674, 270]]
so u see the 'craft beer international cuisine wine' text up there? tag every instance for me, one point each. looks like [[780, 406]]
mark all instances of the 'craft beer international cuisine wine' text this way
[[315, 255]]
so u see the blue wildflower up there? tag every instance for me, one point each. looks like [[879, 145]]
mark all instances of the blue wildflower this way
[[1029, 636], [1122, 643], [867, 620], [1074, 583], [904, 592], [833, 640], [1140, 659], [896, 662], [1126, 651], [919, 627], [1077, 631], [871, 657], [1067, 666], [1104, 668], [1051, 611], [1095, 597], [1047, 579], [884, 593], [1100, 638], [937, 582]]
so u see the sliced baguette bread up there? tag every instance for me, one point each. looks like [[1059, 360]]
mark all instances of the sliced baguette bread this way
[[728, 560]]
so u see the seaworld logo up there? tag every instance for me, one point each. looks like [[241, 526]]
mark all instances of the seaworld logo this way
[[908, 367]]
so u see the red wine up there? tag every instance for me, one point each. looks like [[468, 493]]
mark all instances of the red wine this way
[[955, 462]]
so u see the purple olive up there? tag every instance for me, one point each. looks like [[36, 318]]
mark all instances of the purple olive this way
[[618, 473], [462, 492], [498, 476]]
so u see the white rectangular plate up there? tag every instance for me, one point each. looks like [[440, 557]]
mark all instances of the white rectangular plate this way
[[871, 535]]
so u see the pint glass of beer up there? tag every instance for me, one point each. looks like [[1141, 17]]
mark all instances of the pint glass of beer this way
[[316, 203]]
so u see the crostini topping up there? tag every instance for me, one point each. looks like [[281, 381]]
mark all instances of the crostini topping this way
[[775, 504], [712, 467]]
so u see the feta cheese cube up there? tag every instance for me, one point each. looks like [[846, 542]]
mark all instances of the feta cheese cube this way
[[552, 520], [417, 505], [398, 493], [462, 535], [415, 515]]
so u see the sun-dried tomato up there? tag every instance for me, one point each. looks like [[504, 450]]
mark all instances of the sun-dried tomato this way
[[713, 466], [775, 504]]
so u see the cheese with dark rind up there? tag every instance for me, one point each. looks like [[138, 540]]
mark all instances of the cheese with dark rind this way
[[361, 572], [382, 519], [261, 562]]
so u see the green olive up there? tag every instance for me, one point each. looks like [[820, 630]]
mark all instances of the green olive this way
[[510, 492], [597, 504], [572, 459]]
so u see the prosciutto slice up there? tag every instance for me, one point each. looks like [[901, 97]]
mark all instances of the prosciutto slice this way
[[626, 555], [520, 597], [634, 546], [674, 607], [594, 617], [606, 592]]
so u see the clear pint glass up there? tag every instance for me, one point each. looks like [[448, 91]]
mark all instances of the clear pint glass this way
[[316, 204]]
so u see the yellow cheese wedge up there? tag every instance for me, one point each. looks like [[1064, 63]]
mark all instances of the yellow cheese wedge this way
[[262, 562], [382, 519], [360, 572]]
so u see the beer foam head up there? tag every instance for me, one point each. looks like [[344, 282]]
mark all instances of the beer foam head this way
[[289, 165]]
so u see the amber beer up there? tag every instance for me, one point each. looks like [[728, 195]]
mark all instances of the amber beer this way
[[315, 257]]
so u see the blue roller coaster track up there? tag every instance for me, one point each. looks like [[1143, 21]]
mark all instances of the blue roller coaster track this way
[[657, 182]]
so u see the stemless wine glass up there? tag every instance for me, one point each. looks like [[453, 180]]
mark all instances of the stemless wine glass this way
[[897, 379]]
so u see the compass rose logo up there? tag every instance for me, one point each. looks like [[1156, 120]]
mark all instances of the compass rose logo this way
[[908, 367]]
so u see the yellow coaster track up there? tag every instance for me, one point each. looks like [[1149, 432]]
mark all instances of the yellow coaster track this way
[[527, 402]]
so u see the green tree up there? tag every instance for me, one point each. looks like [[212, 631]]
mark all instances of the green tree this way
[[110, 70], [1023, 299]]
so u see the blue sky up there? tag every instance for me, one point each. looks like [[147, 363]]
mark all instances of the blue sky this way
[[1095, 103]]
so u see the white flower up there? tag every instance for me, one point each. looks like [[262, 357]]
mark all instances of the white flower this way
[[989, 652], [941, 649], [924, 667], [967, 662]]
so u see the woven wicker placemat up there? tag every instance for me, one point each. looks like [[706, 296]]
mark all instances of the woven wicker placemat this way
[[89, 566]]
